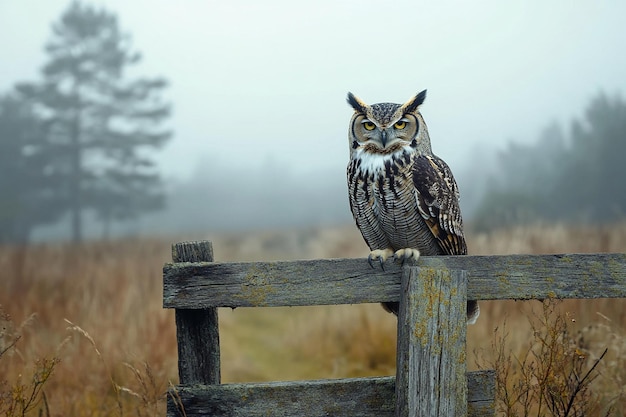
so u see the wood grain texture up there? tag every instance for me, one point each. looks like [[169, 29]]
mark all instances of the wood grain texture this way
[[364, 397], [351, 281], [197, 331], [431, 362]]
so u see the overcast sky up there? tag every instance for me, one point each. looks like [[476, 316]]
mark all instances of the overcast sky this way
[[264, 82]]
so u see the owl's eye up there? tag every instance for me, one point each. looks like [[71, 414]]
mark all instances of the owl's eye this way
[[400, 125], [368, 125]]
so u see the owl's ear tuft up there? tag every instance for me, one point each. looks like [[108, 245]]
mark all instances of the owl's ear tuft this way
[[357, 104], [412, 105]]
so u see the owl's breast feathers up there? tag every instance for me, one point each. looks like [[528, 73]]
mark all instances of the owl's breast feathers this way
[[406, 200]]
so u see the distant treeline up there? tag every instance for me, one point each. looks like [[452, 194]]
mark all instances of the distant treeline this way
[[219, 197], [574, 175], [565, 177], [77, 159]]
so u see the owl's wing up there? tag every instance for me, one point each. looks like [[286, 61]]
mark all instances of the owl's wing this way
[[438, 203]]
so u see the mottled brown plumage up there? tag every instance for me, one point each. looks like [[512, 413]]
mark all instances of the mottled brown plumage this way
[[404, 199]]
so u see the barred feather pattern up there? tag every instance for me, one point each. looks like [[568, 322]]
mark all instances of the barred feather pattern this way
[[407, 200], [401, 195], [411, 201]]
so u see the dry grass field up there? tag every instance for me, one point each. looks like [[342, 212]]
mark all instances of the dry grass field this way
[[83, 333]]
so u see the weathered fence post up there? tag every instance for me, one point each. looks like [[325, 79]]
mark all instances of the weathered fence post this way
[[431, 360], [197, 330], [430, 379]]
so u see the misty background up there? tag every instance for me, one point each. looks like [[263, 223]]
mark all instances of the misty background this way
[[249, 127]]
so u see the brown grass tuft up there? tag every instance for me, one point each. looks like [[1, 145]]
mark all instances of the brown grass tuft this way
[[552, 374]]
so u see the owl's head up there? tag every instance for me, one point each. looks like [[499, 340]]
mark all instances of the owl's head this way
[[385, 128]]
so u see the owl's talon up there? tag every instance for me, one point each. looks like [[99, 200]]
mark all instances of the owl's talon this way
[[396, 258], [379, 255], [406, 254]]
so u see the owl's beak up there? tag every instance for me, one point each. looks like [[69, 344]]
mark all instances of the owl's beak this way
[[383, 137]]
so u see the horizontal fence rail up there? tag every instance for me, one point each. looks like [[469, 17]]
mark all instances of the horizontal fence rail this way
[[350, 281], [431, 377], [363, 397]]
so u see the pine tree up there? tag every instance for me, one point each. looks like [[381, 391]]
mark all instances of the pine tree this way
[[98, 124]]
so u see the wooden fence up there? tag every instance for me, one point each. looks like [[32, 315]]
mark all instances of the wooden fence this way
[[431, 377]]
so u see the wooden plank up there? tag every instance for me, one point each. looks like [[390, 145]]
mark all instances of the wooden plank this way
[[364, 397], [481, 393], [431, 362], [351, 281], [197, 331]]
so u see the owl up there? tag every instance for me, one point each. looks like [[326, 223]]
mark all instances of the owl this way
[[404, 199]]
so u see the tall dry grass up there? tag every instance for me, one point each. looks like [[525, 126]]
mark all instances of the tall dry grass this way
[[97, 308]]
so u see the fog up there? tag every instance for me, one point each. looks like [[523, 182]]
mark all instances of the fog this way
[[258, 89]]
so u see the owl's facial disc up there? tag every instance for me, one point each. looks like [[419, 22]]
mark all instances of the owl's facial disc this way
[[385, 136]]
